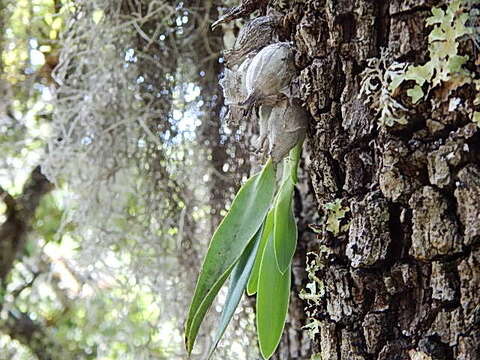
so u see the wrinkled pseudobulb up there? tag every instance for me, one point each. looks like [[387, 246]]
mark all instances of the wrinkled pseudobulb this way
[[287, 126], [270, 73], [233, 84], [255, 35]]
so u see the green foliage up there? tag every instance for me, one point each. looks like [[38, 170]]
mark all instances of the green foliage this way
[[265, 235], [285, 226], [238, 281], [80, 317], [30, 20], [48, 218], [245, 217], [285, 231], [25, 49], [267, 232], [272, 301]]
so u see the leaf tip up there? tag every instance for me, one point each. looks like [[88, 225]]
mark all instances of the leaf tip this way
[[266, 354], [251, 291], [282, 271]]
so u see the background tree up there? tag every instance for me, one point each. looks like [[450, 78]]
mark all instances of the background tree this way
[[92, 266]]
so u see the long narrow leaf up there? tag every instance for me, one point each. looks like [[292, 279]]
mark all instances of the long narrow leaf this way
[[238, 281], [272, 302], [267, 232], [202, 309], [285, 227], [295, 155], [246, 215]]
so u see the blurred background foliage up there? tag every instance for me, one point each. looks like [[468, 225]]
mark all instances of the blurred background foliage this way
[[115, 169]]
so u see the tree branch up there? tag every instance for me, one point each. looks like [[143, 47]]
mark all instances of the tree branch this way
[[20, 213], [9, 201], [21, 327]]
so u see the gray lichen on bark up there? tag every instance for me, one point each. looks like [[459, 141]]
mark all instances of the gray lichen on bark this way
[[369, 237], [435, 230]]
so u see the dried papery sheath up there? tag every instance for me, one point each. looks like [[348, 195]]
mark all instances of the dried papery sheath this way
[[233, 84], [230, 85], [254, 36], [287, 126], [270, 72], [264, 124]]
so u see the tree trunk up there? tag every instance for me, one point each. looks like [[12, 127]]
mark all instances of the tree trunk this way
[[402, 281]]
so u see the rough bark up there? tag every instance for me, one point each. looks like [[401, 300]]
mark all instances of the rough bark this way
[[403, 281]]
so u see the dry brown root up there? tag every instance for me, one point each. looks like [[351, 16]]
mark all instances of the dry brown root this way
[[244, 9]]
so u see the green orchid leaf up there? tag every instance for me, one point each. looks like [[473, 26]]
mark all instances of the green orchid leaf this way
[[284, 226], [245, 217], [194, 321], [238, 281], [295, 155], [267, 232], [272, 302]]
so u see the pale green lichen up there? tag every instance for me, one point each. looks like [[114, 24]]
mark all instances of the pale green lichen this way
[[315, 285], [476, 118], [313, 294], [335, 213], [476, 102], [334, 218], [445, 64], [313, 328], [280, 4], [445, 68]]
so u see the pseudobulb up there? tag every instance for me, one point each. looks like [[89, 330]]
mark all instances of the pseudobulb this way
[[287, 126], [270, 72]]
